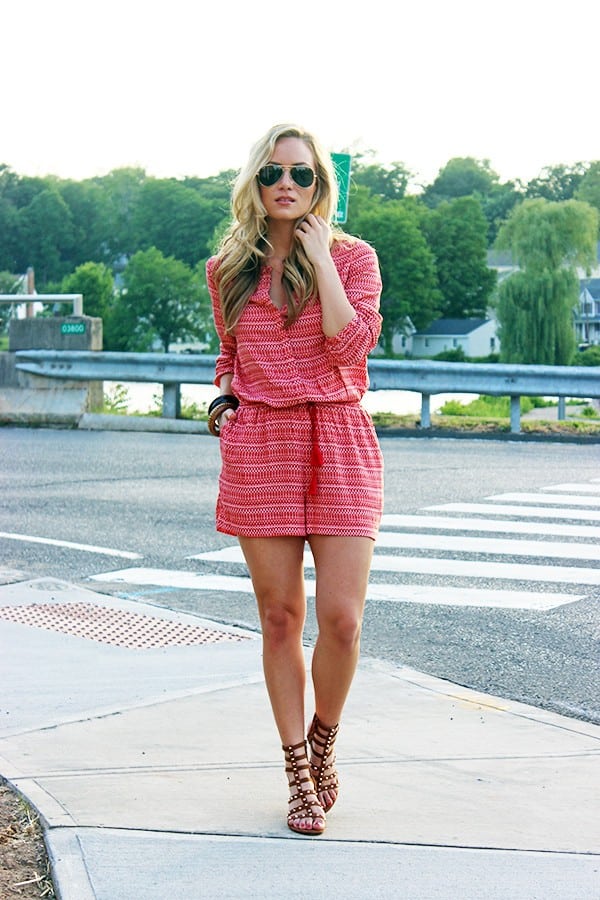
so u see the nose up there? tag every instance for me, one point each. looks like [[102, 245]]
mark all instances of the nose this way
[[286, 179]]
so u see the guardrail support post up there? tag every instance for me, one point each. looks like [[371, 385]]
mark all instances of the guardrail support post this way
[[562, 412], [515, 415], [425, 411], [171, 407]]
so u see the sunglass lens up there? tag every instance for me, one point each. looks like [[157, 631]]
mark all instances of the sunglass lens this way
[[270, 175], [303, 175]]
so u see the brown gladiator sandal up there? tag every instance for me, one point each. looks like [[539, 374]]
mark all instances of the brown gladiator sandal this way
[[303, 801], [322, 765]]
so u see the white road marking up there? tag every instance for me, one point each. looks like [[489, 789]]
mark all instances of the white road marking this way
[[456, 567], [391, 593], [475, 569], [538, 512], [583, 488], [497, 546], [498, 526], [558, 499], [87, 548]]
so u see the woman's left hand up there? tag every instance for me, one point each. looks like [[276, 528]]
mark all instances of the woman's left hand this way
[[314, 233]]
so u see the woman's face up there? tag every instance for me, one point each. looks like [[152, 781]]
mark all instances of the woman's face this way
[[286, 200]]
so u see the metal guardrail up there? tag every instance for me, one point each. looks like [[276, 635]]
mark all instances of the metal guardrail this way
[[426, 377], [20, 299]]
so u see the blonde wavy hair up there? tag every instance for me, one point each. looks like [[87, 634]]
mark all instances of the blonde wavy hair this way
[[244, 246]]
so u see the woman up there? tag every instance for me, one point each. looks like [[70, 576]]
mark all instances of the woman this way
[[296, 307]]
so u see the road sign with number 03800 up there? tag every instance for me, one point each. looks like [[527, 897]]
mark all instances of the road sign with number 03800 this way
[[341, 164]]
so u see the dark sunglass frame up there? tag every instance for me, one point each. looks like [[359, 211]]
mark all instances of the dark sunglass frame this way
[[273, 172]]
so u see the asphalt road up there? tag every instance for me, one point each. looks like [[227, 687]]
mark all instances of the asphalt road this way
[[154, 494]]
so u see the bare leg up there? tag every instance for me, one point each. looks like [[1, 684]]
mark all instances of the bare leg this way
[[342, 566], [277, 572]]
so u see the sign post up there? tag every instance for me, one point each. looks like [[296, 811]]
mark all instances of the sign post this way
[[341, 164]]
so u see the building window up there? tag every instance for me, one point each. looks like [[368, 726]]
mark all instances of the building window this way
[[492, 344]]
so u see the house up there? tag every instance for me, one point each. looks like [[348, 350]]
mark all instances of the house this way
[[476, 337], [587, 315]]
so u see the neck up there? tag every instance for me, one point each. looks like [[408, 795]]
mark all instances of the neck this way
[[280, 236]]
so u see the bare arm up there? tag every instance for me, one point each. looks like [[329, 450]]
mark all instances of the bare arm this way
[[314, 234]]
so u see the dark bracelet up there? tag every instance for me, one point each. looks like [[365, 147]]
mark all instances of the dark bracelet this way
[[218, 410], [232, 402]]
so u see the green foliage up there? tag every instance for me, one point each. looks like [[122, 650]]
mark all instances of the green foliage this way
[[116, 400], [588, 189], [556, 183], [461, 177], [457, 354], [487, 407], [163, 300], [96, 283], [407, 267], [588, 357], [589, 412], [457, 234], [386, 183], [535, 305], [535, 314], [8, 284], [175, 219]]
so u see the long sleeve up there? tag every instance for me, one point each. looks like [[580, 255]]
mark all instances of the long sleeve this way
[[362, 283], [225, 363]]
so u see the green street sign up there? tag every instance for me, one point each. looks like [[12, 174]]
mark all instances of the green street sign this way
[[341, 164], [72, 328]]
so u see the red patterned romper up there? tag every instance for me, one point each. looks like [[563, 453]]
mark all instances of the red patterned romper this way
[[301, 455]]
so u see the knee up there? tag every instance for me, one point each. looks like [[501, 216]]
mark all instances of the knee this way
[[280, 625], [343, 628]]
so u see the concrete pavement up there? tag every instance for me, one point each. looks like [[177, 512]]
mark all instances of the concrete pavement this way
[[145, 740]]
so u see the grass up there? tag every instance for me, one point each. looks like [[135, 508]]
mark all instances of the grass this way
[[117, 402], [484, 415], [468, 424]]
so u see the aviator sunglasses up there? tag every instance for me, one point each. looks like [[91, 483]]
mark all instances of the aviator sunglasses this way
[[270, 174]]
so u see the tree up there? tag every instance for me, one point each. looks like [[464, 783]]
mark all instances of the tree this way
[[88, 205], [461, 177], [548, 240], [388, 183], [409, 281], [175, 219], [498, 204], [162, 300], [47, 228], [556, 182], [121, 189], [8, 285], [589, 186], [456, 231], [95, 282]]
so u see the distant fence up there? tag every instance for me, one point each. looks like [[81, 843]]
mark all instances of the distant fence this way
[[426, 377], [29, 299]]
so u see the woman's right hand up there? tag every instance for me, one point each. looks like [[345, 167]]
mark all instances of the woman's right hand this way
[[225, 416]]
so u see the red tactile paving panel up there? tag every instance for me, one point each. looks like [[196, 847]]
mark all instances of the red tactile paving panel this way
[[113, 626]]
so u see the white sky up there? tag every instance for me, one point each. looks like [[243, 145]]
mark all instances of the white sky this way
[[184, 88]]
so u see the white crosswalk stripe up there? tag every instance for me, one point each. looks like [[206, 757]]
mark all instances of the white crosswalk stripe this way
[[555, 499], [461, 548], [538, 512]]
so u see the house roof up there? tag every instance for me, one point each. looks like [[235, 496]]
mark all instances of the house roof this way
[[454, 326], [593, 286]]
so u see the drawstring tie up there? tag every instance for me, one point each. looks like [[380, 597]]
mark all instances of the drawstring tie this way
[[316, 454]]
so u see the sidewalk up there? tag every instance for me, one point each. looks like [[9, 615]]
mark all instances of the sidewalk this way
[[157, 773]]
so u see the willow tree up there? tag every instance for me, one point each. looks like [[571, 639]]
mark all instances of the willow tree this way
[[548, 241]]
